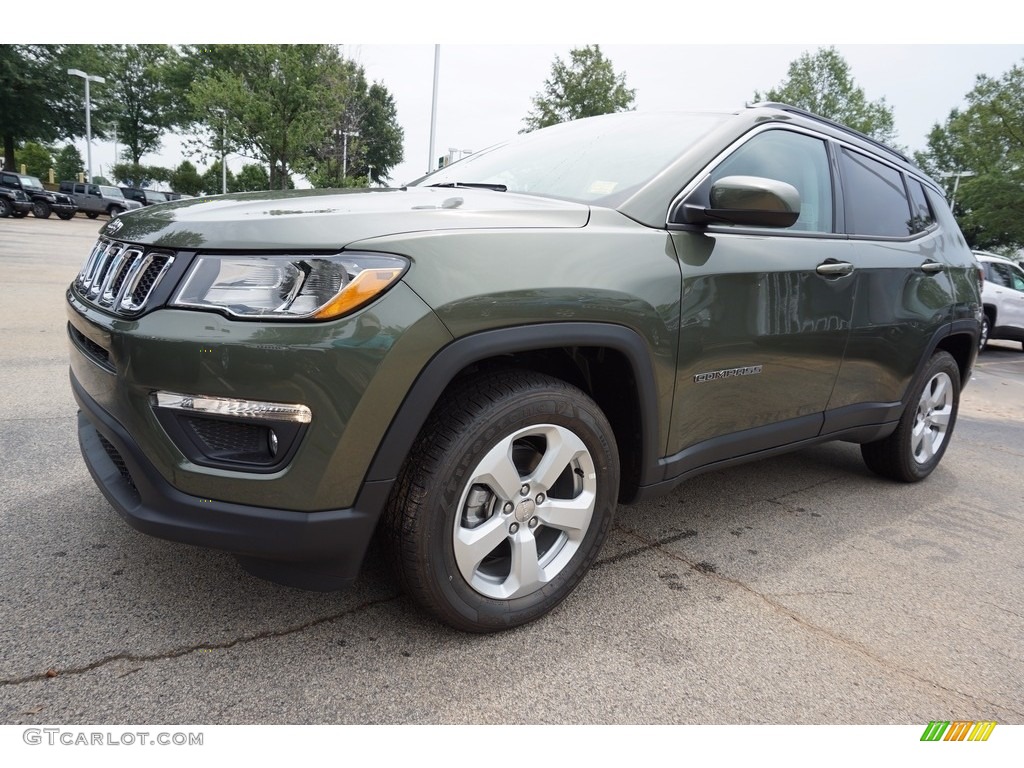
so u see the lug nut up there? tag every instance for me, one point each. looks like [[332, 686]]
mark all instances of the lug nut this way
[[513, 528], [509, 506], [540, 498], [525, 490], [533, 522]]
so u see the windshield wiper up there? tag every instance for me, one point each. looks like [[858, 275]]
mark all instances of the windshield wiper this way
[[473, 185]]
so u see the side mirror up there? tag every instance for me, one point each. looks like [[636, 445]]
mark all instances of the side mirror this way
[[747, 200]]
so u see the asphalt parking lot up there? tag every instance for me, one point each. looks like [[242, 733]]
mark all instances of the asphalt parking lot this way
[[800, 589]]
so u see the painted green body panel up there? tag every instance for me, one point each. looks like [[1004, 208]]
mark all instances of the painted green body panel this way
[[745, 305], [352, 373], [328, 220], [613, 271]]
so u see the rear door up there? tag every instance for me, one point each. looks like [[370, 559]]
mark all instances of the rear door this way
[[904, 291]]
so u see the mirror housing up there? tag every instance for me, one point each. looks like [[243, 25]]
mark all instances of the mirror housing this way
[[746, 200]]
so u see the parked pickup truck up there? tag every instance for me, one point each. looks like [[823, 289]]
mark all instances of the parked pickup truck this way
[[94, 199]]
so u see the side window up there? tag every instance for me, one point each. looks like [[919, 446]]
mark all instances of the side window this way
[[1018, 281], [921, 217], [80, 189], [1001, 275], [1016, 278], [876, 200], [796, 159]]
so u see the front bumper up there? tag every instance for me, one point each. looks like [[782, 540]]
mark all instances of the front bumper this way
[[334, 540]]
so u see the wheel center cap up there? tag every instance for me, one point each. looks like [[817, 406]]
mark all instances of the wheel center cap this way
[[525, 510]]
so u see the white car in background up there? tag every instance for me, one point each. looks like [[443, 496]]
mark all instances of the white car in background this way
[[1002, 295]]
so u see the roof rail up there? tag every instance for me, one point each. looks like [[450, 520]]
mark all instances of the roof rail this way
[[832, 123]]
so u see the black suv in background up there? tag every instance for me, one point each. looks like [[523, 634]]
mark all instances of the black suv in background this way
[[14, 202], [43, 201], [482, 365], [145, 196]]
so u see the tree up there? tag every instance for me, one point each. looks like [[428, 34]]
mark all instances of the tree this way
[[821, 83], [382, 136], [69, 163], [39, 101], [131, 175], [212, 180], [252, 178], [37, 159], [585, 87], [140, 105], [273, 101], [363, 133], [186, 179], [980, 151]]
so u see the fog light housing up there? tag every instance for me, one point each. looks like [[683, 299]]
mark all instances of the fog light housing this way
[[229, 433]]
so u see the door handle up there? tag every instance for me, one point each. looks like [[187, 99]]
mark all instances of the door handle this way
[[834, 268], [932, 267]]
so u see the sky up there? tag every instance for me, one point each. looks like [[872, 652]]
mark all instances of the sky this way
[[494, 58]]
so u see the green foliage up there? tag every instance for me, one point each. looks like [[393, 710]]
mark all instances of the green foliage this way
[[212, 180], [585, 87], [140, 107], [821, 83], [69, 163], [39, 101], [186, 179], [37, 159], [983, 146], [252, 178], [273, 101], [133, 175]]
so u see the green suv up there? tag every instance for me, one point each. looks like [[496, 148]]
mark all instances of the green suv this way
[[480, 366]]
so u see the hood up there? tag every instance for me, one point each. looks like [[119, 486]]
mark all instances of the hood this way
[[332, 219]]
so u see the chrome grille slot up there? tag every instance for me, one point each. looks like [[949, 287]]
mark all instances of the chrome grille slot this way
[[121, 277]]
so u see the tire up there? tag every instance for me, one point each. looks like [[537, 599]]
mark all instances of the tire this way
[[985, 328], [115, 210], [504, 501], [911, 452], [91, 214], [6, 209], [41, 209], [66, 216]]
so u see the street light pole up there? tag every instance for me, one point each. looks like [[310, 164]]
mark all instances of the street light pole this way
[[88, 119], [433, 108]]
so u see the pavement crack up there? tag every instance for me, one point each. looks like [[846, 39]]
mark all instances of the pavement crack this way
[[177, 653], [852, 645]]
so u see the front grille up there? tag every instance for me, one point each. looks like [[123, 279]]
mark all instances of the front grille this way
[[120, 277]]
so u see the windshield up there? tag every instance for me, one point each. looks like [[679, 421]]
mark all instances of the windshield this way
[[597, 159], [156, 197], [111, 192], [30, 182]]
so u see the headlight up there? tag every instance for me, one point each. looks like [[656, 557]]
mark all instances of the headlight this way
[[299, 287]]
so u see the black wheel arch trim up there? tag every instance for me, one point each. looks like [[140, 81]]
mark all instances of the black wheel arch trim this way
[[426, 391]]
